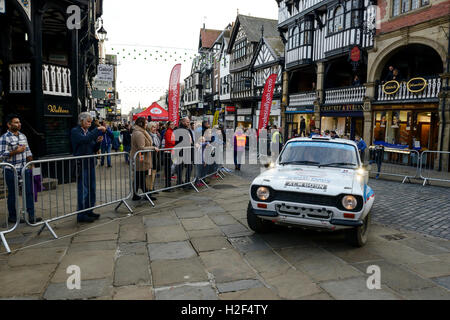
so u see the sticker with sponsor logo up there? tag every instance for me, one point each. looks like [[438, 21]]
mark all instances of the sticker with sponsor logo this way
[[314, 179], [307, 185]]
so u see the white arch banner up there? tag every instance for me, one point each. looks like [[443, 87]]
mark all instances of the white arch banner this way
[[26, 5]]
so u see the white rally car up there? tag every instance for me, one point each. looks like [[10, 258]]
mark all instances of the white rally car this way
[[316, 183]]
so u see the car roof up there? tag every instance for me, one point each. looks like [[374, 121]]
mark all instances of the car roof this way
[[326, 139]]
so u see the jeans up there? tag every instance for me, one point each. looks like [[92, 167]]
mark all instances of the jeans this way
[[9, 178], [86, 185], [106, 149], [127, 156]]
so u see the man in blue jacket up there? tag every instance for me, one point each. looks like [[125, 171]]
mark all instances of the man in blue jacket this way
[[85, 143], [362, 146]]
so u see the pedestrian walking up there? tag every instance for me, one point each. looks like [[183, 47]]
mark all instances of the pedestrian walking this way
[[14, 149], [108, 137], [141, 141], [239, 147], [126, 141], [85, 143], [116, 135], [302, 127]]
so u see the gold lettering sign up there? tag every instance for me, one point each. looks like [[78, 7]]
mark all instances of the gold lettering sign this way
[[57, 109], [391, 87], [417, 85]]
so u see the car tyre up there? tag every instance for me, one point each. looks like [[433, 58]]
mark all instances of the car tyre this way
[[358, 236], [257, 224]]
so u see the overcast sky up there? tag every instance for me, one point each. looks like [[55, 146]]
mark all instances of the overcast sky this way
[[142, 31]]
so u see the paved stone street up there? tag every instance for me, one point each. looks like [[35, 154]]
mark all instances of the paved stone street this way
[[198, 246]]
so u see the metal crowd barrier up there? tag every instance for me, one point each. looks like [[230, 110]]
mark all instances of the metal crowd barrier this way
[[54, 185], [10, 179], [168, 173], [394, 162], [434, 166]]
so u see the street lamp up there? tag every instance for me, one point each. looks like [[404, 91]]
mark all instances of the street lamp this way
[[102, 33]]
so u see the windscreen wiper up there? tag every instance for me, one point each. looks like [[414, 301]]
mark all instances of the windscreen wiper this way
[[337, 164]]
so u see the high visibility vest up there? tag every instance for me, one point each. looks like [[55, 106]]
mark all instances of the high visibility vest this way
[[276, 137], [240, 141]]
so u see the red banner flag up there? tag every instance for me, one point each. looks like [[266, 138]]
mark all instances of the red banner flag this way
[[174, 95], [266, 103]]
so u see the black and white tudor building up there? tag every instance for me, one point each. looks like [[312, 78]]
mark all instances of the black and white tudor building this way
[[326, 49]]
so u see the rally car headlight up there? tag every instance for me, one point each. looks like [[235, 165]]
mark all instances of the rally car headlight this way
[[349, 202], [263, 193]]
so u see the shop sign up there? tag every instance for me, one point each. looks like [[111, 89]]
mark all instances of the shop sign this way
[[98, 94], [102, 85], [342, 108], [241, 118], [355, 54], [308, 109], [105, 72], [61, 110], [230, 109], [416, 85], [244, 112], [391, 87]]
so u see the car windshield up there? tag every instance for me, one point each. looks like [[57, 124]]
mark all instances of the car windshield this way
[[321, 154]]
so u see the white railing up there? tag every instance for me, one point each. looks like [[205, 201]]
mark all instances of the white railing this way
[[345, 95], [430, 92], [302, 99], [20, 78], [56, 80]]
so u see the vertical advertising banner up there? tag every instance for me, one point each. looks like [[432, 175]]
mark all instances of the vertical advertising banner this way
[[174, 94], [266, 102]]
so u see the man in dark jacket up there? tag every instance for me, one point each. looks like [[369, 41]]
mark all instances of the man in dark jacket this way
[[184, 125], [84, 143], [126, 141]]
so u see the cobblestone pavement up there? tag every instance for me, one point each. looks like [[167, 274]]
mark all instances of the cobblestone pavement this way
[[406, 206], [197, 246]]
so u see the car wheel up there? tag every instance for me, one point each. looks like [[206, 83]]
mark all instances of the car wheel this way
[[358, 236], [257, 224]]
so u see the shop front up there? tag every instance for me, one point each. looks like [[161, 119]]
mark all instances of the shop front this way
[[413, 125], [275, 114], [346, 120], [245, 118], [294, 117], [230, 117]]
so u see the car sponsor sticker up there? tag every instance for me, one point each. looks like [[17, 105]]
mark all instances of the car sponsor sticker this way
[[306, 184]]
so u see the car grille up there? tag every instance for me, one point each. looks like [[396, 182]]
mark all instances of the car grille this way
[[297, 197]]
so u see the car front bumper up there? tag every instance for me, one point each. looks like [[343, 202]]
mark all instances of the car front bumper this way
[[307, 215]]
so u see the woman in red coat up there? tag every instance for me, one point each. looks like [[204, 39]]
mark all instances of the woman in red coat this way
[[169, 137]]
